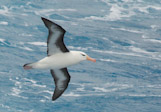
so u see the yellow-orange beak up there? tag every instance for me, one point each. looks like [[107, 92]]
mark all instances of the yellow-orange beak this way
[[91, 59]]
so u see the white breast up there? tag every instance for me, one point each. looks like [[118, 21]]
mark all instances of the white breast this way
[[57, 61]]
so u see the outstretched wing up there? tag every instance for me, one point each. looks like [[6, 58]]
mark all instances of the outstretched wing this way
[[55, 42], [61, 78]]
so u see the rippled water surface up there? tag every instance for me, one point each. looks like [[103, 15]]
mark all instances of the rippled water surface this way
[[123, 35]]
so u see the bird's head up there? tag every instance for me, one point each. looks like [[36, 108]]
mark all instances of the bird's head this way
[[84, 56]]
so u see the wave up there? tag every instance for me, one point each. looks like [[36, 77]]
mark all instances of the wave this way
[[118, 53], [128, 30], [3, 23], [107, 60], [2, 40], [72, 94], [48, 12], [38, 43], [16, 92], [154, 7], [139, 50], [4, 11], [117, 12], [153, 40], [30, 80], [112, 87], [78, 48], [122, 10], [135, 52], [26, 48], [23, 34], [47, 91], [142, 95], [4, 106], [38, 85], [147, 54]]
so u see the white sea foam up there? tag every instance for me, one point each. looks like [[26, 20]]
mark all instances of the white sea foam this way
[[47, 91], [26, 24], [26, 48], [2, 40], [38, 85], [128, 30], [118, 53], [154, 26], [80, 89], [47, 97], [142, 9], [142, 95], [108, 60], [4, 11], [153, 40], [74, 23], [23, 34], [24, 14], [42, 100], [154, 7], [117, 12], [72, 94], [144, 36], [136, 52], [17, 83], [77, 48], [139, 50], [28, 3], [30, 80], [154, 86], [47, 12], [100, 89], [111, 88], [152, 55], [4, 23], [16, 92], [118, 85], [38, 43], [4, 106], [145, 9]]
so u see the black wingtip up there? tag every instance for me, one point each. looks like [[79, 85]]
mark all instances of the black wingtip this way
[[54, 98], [44, 19], [47, 22], [57, 94]]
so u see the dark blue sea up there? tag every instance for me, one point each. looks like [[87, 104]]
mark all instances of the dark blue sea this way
[[123, 35]]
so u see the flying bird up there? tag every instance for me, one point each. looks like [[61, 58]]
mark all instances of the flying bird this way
[[58, 58]]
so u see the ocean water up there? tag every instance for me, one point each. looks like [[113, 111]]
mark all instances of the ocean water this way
[[123, 35]]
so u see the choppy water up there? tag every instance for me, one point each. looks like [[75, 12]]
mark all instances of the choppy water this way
[[123, 35]]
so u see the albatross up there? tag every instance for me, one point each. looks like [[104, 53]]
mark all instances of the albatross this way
[[58, 58]]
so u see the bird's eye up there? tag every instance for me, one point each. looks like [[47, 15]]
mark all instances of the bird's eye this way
[[83, 54]]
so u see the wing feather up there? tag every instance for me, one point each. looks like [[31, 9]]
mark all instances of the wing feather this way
[[61, 78], [55, 41]]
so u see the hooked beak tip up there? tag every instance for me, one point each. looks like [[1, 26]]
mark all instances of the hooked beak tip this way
[[94, 60], [91, 59]]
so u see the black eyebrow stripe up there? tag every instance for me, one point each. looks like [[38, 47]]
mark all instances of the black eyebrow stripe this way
[[83, 54]]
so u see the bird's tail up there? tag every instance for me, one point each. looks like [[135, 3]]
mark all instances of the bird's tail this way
[[27, 66]]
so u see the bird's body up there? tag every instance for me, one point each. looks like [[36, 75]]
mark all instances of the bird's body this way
[[58, 61], [58, 58]]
